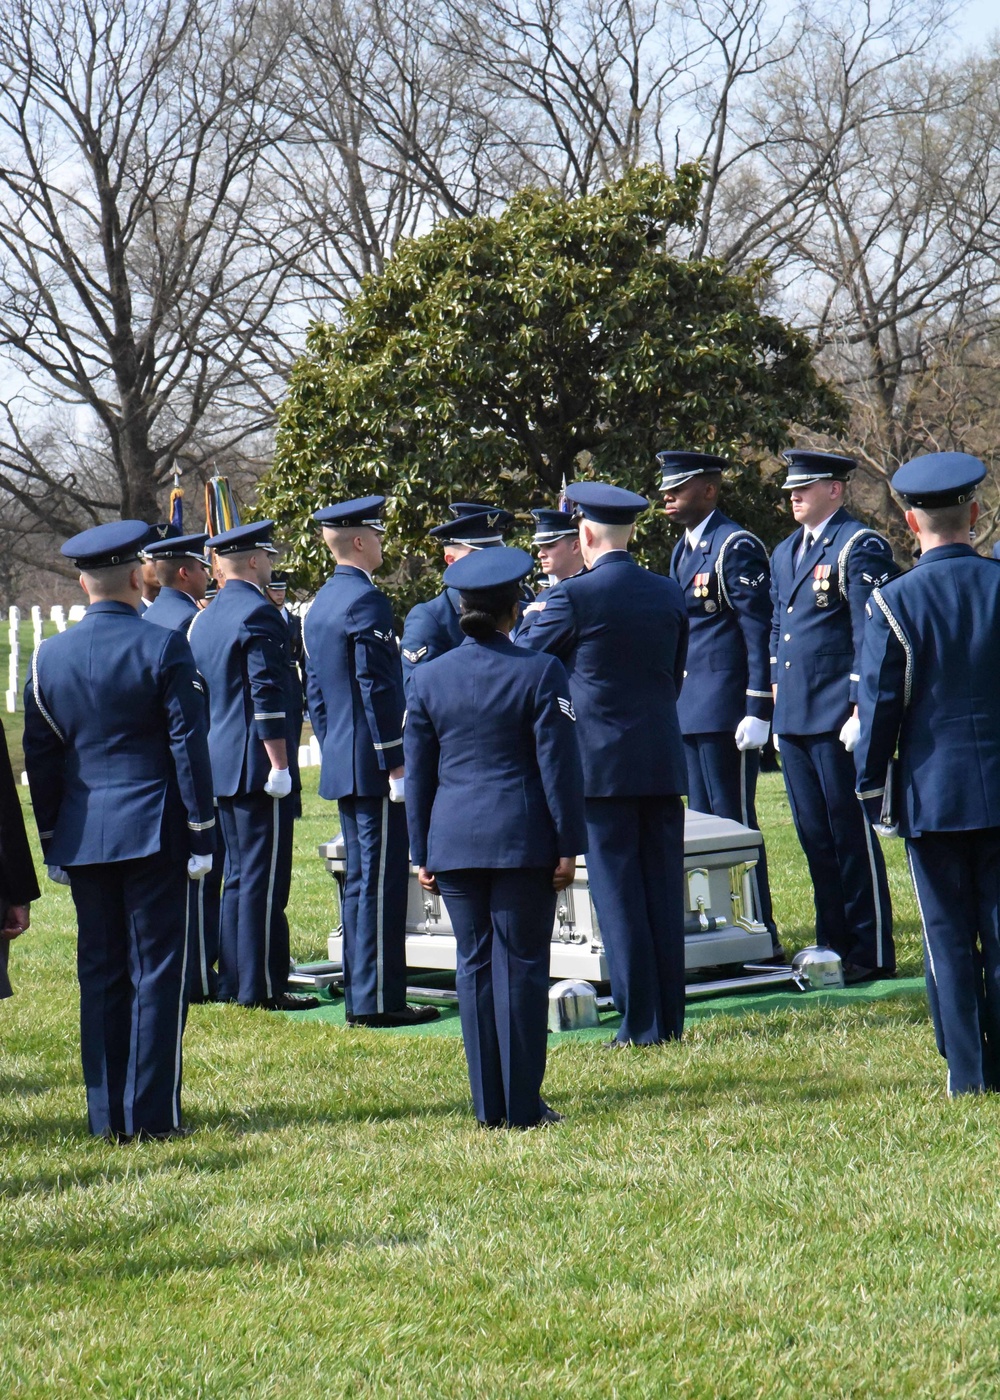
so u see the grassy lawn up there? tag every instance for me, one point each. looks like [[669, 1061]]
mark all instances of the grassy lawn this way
[[781, 1205]]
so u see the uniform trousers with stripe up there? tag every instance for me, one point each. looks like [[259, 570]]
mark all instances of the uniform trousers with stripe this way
[[956, 877], [253, 930], [377, 861], [203, 932], [503, 937], [635, 866], [853, 911], [131, 955], [723, 781]]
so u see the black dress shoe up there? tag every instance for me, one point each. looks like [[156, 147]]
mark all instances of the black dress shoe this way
[[854, 974], [288, 1001], [408, 1016], [545, 1119], [615, 1044]]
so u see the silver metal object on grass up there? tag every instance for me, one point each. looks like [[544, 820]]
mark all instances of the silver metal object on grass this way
[[572, 1006], [817, 969]]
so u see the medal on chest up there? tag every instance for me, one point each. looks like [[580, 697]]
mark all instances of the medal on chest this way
[[700, 590], [821, 584]]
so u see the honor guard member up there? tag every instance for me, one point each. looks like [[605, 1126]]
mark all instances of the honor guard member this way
[[355, 688], [182, 571], [622, 633], [929, 697], [495, 814], [18, 885], [432, 628], [162, 530], [116, 748], [557, 539], [821, 579], [240, 645], [277, 591], [725, 707], [182, 574]]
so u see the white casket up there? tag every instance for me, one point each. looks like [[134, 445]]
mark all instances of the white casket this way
[[722, 927]]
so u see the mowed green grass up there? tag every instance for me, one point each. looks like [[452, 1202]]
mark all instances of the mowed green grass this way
[[782, 1205]]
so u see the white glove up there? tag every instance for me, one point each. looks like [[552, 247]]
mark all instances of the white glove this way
[[396, 789], [198, 867], [279, 782], [851, 733], [752, 733], [57, 874], [777, 744]]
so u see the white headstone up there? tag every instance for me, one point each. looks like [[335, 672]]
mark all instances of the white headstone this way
[[315, 752], [13, 682], [36, 626], [77, 612], [58, 616]]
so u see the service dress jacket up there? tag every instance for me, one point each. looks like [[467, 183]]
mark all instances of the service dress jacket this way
[[18, 884], [172, 608], [430, 630], [819, 622], [116, 744], [493, 773], [354, 684], [240, 645], [622, 633], [929, 689], [726, 582]]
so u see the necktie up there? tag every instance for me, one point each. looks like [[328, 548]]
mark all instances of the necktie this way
[[808, 540]]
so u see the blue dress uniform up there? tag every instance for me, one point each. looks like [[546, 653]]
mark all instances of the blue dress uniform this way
[[550, 525], [116, 749], [726, 582], [622, 633], [819, 620], [494, 799], [355, 688], [432, 628], [929, 695], [176, 610], [240, 645]]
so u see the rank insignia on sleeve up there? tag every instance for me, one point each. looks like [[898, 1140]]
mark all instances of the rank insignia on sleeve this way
[[415, 655], [382, 636], [567, 708]]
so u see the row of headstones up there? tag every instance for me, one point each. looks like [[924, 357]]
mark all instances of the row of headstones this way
[[309, 754], [57, 615]]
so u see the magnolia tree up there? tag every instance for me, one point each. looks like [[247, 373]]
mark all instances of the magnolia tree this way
[[495, 357]]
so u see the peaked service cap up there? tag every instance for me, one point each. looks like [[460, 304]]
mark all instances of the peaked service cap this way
[[605, 504], [476, 529], [939, 479], [117, 542], [681, 467], [489, 568], [363, 510], [244, 539], [805, 467], [177, 547], [552, 525]]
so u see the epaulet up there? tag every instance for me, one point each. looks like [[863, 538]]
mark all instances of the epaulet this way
[[720, 558]]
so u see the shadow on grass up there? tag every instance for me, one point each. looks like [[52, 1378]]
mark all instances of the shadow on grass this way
[[121, 1256], [273, 1117], [125, 1163]]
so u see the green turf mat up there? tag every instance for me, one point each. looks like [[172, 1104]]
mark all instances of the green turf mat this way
[[746, 1004]]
